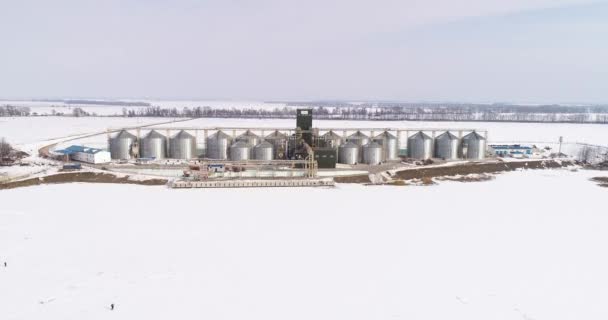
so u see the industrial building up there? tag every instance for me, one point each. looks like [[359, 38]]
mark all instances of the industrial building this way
[[303, 146], [85, 154], [514, 150]]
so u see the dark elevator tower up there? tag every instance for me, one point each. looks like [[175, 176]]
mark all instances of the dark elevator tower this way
[[304, 123]]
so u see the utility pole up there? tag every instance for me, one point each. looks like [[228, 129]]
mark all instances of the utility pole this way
[[561, 139]]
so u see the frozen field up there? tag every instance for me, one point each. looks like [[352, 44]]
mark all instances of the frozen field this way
[[31, 133], [353, 252], [23, 130]]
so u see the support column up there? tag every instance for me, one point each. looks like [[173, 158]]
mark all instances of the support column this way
[[398, 136], [168, 145], [433, 144]]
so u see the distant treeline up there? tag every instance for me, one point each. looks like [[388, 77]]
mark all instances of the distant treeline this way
[[426, 112], [14, 111], [378, 111], [101, 102], [109, 103]]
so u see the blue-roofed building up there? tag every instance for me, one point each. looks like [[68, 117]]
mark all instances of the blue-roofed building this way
[[85, 154], [514, 150]]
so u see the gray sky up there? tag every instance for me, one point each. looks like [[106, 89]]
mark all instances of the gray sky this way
[[409, 50]]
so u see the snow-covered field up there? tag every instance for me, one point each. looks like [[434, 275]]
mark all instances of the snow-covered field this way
[[527, 245], [30, 133], [23, 130]]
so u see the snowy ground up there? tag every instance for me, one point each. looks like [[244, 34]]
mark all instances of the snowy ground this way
[[526, 245], [522, 248], [25, 130]]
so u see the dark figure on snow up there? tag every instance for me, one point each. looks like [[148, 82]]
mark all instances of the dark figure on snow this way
[[5, 264], [111, 306]]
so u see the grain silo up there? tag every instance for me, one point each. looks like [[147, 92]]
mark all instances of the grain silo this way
[[474, 146], [182, 146], [360, 140], [218, 145], [372, 153], [447, 146], [390, 150], [420, 146], [154, 145], [348, 153], [331, 140], [123, 145], [240, 151], [279, 143], [263, 151], [249, 137]]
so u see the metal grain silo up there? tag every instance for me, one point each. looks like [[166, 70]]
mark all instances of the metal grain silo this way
[[279, 144], [249, 137], [447, 146], [121, 145], [332, 140], [240, 151], [182, 146], [348, 153], [390, 150], [263, 151], [372, 153], [154, 145], [420, 146], [218, 145], [360, 140], [474, 146]]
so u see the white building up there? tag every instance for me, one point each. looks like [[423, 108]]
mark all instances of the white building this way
[[85, 154]]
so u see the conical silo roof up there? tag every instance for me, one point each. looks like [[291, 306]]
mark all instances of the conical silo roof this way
[[331, 135], [420, 135], [473, 136], [276, 135], [385, 135], [154, 135], [358, 134], [182, 134], [447, 136], [124, 134], [247, 134], [220, 134]]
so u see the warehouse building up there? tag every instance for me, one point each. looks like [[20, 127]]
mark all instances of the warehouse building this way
[[85, 154], [515, 150]]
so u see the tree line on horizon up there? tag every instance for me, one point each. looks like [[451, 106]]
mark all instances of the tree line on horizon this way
[[381, 111]]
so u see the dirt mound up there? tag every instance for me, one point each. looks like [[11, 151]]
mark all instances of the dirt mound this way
[[468, 178], [362, 178], [88, 177], [601, 181], [477, 168]]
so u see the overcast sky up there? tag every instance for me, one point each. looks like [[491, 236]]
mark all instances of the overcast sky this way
[[535, 51]]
